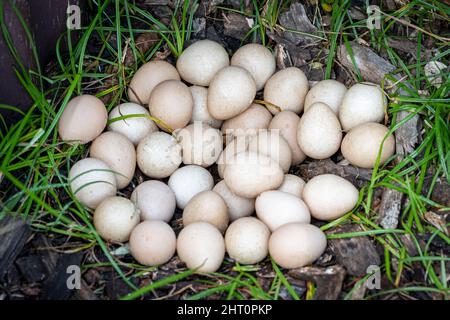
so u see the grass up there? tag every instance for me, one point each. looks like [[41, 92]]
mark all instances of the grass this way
[[34, 164]]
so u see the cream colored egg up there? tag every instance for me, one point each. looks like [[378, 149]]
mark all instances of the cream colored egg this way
[[200, 111], [207, 206], [230, 93], [155, 200], [272, 144], [91, 181], [188, 181], [147, 77], [153, 243], [115, 218], [330, 92], [295, 245], [251, 173], [256, 59], [329, 196], [238, 207], [136, 127], [247, 240], [83, 119], [158, 155], [361, 145], [201, 61], [276, 208], [363, 102], [292, 184], [201, 246], [118, 153], [171, 102], [319, 133], [238, 144], [287, 89], [247, 123], [287, 123], [200, 144]]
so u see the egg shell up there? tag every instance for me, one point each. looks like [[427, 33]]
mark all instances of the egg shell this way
[[276, 208], [201, 247], [256, 59], [118, 153], [230, 93], [207, 206], [247, 123], [91, 181], [247, 240], [361, 144], [319, 133], [200, 111], [363, 102], [200, 144], [237, 206], [147, 77], [83, 119], [330, 92], [134, 128], [201, 61], [295, 245], [272, 144], [153, 243], [251, 173], [292, 184], [329, 196], [287, 89], [188, 181], [158, 155], [171, 102], [287, 123], [115, 218], [155, 200], [238, 144]]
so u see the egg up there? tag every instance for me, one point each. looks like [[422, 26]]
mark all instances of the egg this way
[[361, 145], [171, 103], [115, 218], [200, 144], [91, 181], [236, 145], [276, 208], [158, 155], [247, 123], [287, 89], [237, 206], [118, 153], [230, 93], [147, 77], [295, 245], [256, 59], [155, 200], [201, 61], [272, 144], [287, 123], [83, 119], [201, 247], [200, 111], [134, 128], [363, 102], [330, 92], [329, 196], [207, 206], [319, 133], [188, 181], [153, 243], [247, 240], [292, 184], [251, 173]]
